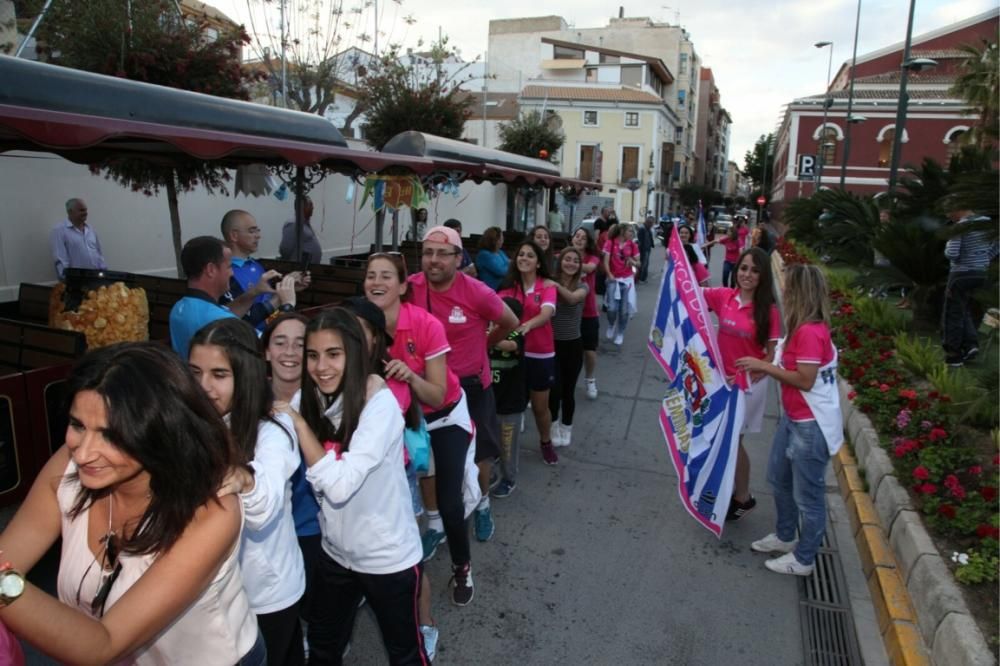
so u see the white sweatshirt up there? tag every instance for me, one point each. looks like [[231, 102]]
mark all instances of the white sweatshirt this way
[[273, 572], [366, 514]]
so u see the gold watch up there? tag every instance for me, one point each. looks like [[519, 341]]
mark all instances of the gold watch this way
[[11, 586]]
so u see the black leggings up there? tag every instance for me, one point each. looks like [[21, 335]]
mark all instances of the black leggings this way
[[569, 362], [393, 598], [282, 634], [450, 446]]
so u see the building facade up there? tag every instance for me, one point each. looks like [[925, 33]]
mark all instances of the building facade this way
[[711, 153]]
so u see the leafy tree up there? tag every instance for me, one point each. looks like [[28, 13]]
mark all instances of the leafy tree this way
[[753, 164], [978, 83], [837, 223], [397, 98], [150, 43], [529, 134], [690, 194]]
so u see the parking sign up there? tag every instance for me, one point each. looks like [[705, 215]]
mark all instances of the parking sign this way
[[807, 167]]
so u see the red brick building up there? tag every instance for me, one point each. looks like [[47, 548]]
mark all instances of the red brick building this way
[[935, 119]]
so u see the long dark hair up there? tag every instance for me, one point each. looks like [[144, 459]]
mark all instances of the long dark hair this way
[[353, 387], [514, 277], [158, 415], [763, 295], [253, 396], [591, 246], [574, 279]]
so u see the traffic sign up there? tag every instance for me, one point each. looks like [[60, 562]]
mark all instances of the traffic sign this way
[[807, 167], [761, 200]]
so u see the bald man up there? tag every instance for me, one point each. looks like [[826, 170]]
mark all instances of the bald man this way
[[74, 243]]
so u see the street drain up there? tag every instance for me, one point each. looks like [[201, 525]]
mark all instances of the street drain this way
[[828, 635]]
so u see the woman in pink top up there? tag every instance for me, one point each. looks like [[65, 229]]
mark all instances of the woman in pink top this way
[[621, 256], [527, 282], [590, 324], [811, 429], [731, 241], [700, 271], [749, 325]]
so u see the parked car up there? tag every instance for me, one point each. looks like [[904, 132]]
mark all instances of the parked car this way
[[723, 222]]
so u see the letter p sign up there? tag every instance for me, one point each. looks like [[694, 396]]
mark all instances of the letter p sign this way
[[807, 167]]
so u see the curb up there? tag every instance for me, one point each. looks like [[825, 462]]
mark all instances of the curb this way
[[921, 613]]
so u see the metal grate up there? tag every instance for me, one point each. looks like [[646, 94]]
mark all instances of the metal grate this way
[[827, 625]]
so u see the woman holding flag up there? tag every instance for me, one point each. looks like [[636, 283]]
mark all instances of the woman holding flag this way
[[749, 326], [811, 429]]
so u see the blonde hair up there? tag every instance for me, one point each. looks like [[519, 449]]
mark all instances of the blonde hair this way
[[805, 298]]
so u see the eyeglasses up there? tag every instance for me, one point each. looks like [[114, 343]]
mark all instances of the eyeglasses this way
[[438, 254], [108, 559]]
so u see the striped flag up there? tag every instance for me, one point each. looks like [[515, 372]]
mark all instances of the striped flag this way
[[700, 414]]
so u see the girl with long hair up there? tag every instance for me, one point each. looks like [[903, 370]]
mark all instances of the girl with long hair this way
[[621, 256], [223, 357], [810, 430], [528, 282], [687, 238], [572, 291], [542, 237], [491, 261], [749, 325], [419, 358], [590, 322], [351, 431], [150, 545]]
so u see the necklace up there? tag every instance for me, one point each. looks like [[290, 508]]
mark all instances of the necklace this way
[[108, 540]]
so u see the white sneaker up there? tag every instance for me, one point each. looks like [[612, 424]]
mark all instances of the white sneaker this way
[[619, 339], [787, 564], [772, 544], [555, 434], [565, 435], [609, 333], [430, 640], [591, 385]]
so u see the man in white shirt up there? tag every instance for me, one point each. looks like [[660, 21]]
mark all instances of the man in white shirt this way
[[74, 243]]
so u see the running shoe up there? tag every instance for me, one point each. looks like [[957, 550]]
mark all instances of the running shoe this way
[[462, 588], [431, 635], [772, 544], [739, 509], [431, 539], [619, 339], [484, 524], [787, 564], [504, 489], [610, 332], [591, 385], [549, 454]]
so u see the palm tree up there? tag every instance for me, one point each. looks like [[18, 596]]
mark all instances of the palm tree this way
[[979, 86]]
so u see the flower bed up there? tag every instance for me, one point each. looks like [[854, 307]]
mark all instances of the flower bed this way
[[951, 469]]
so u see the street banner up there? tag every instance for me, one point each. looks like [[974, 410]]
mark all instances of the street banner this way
[[700, 414]]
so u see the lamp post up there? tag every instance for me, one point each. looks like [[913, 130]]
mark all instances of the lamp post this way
[[917, 65], [827, 103], [850, 102]]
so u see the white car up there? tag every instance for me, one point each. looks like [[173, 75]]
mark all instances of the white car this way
[[723, 222]]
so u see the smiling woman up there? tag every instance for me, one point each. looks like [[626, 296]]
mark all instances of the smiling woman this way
[[149, 555]]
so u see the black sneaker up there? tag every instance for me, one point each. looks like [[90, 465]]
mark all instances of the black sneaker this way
[[970, 354], [462, 589], [955, 361], [739, 509]]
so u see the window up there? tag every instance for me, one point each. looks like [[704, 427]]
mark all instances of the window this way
[[631, 119], [827, 147], [681, 97], [630, 163], [678, 134], [885, 147], [591, 75], [956, 140], [683, 66], [566, 53], [607, 59], [588, 162], [632, 76], [590, 118], [677, 171]]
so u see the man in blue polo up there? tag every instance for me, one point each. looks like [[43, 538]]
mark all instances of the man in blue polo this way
[[207, 264]]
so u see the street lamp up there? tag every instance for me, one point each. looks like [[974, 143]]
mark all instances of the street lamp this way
[[916, 65], [827, 103], [850, 102]]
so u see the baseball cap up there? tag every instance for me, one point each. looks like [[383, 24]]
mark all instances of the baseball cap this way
[[443, 234]]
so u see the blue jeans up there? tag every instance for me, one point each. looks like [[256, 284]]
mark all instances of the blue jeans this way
[[957, 327], [796, 472], [617, 308], [728, 268]]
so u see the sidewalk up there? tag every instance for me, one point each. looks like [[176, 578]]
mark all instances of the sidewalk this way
[[596, 562]]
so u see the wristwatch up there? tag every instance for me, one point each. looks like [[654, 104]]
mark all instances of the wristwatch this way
[[11, 586], [286, 307]]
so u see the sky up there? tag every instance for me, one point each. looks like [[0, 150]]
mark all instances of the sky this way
[[760, 51]]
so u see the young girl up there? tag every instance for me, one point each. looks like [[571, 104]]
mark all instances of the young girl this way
[[572, 292], [731, 241], [749, 325], [542, 237], [700, 271], [527, 282], [811, 429], [223, 358], [621, 255], [419, 358], [590, 323], [371, 545]]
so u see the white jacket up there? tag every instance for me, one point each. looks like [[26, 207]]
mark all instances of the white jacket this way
[[366, 514], [273, 572]]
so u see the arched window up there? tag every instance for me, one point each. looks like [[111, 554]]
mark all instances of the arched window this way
[[826, 147], [955, 138], [885, 147]]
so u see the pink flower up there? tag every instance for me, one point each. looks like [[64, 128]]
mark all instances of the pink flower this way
[[937, 433], [883, 388], [909, 394], [926, 488], [851, 395], [988, 493], [921, 472], [988, 531], [976, 470], [950, 481], [946, 510]]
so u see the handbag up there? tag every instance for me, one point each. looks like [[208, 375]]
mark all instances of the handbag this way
[[418, 446]]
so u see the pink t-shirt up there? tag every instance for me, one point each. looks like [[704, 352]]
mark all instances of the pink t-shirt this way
[[420, 337], [810, 343], [741, 234], [619, 252], [401, 392], [733, 249], [737, 331], [590, 302], [465, 309], [539, 342]]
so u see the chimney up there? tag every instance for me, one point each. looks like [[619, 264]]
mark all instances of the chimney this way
[[621, 12]]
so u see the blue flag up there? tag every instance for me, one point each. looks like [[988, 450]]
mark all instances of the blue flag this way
[[700, 414]]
